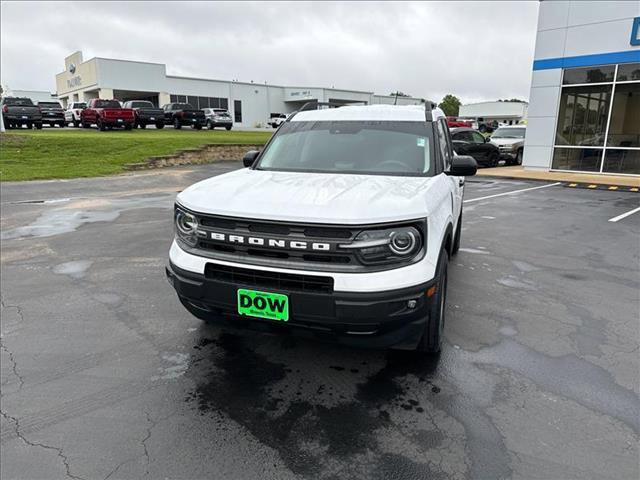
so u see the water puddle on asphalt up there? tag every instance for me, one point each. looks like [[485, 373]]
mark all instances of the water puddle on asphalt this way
[[76, 269], [72, 216]]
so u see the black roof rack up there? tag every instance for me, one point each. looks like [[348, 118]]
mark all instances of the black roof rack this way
[[428, 106]]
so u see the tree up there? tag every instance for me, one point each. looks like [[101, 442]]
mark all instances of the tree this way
[[450, 105], [398, 94]]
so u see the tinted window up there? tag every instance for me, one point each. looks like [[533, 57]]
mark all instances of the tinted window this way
[[509, 133], [601, 74], [182, 106], [624, 127], [141, 104], [237, 111], [628, 72], [391, 148], [49, 104], [477, 137], [582, 118], [463, 136], [17, 101], [443, 144]]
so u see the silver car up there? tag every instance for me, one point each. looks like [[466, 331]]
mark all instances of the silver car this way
[[217, 117], [510, 141]]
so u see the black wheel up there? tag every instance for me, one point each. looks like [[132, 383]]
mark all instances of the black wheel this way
[[129, 126], [29, 125], [456, 240], [101, 126], [159, 126], [494, 160], [228, 128], [176, 124], [197, 126], [38, 125], [86, 125], [62, 124], [519, 157], [76, 124], [431, 341], [210, 125], [142, 125]]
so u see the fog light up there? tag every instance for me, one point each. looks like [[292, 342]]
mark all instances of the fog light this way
[[412, 304]]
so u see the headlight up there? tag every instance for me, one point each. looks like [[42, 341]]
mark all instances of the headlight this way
[[186, 226], [387, 246]]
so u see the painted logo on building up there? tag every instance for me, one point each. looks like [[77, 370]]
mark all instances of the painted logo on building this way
[[635, 32], [72, 68]]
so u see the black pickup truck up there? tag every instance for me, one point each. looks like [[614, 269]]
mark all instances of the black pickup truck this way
[[52, 113], [183, 114], [18, 111], [146, 113]]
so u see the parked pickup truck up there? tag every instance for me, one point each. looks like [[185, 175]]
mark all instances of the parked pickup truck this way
[[72, 113], [341, 228], [18, 111], [107, 114], [52, 113], [183, 114], [146, 113]]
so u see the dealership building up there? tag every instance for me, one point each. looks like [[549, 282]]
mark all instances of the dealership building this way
[[584, 106], [250, 104]]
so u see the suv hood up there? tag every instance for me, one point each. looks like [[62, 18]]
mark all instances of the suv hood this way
[[506, 141], [310, 197]]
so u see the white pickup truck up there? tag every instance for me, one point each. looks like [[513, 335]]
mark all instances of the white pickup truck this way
[[341, 229], [73, 113]]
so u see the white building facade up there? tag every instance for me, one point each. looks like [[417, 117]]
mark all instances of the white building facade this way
[[35, 95], [250, 104], [510, 113], [584, 106]]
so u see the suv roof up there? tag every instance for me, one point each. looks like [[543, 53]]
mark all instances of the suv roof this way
[[513, 126], [406, 113]]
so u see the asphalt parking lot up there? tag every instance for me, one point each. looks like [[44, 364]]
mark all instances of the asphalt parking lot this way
[[105, 376]]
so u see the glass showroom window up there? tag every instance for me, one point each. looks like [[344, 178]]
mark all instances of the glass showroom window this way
[[599, 120]]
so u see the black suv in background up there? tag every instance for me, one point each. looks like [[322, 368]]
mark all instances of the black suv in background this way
[[183, 114], [52, 113], [146, 113], [18, 111], [467, 141]]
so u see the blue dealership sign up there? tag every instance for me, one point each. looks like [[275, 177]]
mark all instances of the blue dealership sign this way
[[635, 32]]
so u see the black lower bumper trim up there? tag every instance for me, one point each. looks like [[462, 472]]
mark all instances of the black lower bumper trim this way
[[394, 318]]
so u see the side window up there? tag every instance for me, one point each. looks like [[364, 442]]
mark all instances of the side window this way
[[477, 137], [443, 144]]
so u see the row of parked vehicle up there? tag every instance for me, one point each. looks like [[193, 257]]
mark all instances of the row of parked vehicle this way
[[108, 114], [505, 143]]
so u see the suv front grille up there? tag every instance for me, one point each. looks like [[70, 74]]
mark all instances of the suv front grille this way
[[264, 279]]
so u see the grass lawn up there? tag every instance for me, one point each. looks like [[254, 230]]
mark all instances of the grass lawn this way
[[66, 153]]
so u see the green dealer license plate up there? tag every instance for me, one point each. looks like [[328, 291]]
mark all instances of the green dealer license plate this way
[[273, 306]]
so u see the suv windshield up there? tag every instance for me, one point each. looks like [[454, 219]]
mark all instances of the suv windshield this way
[[509, 133], [360, 147], [49, 104], [107, 104], [26, 102]]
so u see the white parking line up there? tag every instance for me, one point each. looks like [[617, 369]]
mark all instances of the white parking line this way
[[511, 193], [624, 215]]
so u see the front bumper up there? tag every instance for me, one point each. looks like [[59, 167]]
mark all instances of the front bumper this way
[[373, 320]]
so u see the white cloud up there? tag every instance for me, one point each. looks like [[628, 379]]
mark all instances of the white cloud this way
[[476, 50]]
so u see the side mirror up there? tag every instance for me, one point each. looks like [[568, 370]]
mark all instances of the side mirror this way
[[487, 139], [250, 157], [463, 166]]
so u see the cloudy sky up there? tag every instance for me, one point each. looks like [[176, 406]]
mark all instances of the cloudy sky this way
[[476, 50]]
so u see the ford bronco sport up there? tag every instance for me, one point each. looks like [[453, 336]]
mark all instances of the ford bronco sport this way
[[341, 228]]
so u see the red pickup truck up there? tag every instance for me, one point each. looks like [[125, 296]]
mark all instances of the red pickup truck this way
[[106, 114], [453, 122]]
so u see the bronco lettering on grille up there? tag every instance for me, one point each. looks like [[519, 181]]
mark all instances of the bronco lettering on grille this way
[[270, 242]]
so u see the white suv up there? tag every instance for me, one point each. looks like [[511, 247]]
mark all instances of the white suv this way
[[277, 119], [72, 113], [340, 228]]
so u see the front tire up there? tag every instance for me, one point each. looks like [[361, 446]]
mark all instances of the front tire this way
[[197, 126], [159, 126], [176, 124], [39, 126], [228, 128], [76, 124], [518, 160], [101, 126], [494, 161], [210, 125], [431, 341]]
